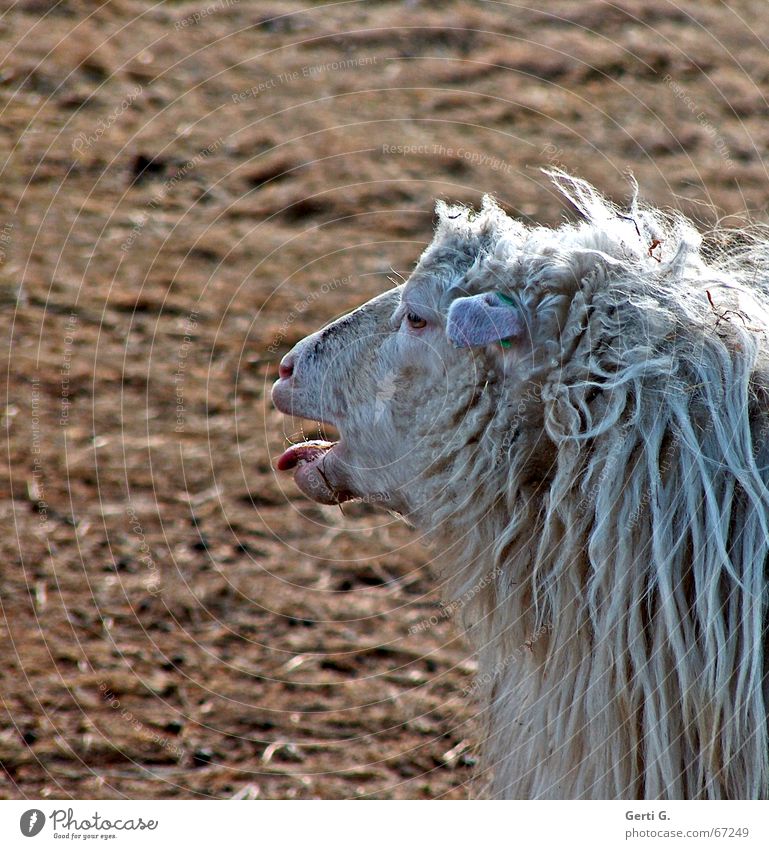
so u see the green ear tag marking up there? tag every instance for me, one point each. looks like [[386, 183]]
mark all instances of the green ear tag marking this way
[[505, 343]]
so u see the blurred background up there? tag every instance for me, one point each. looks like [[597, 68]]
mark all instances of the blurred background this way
[[189, 189]]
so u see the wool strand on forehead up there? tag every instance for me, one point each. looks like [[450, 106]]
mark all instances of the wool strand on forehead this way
[[467, 241]]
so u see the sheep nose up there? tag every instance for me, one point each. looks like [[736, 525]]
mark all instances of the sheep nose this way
[[286, 367]]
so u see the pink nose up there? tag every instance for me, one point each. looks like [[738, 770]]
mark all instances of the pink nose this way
[[286, 367]]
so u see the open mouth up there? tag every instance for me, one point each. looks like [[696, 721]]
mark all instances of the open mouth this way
[[309, 459], [320, 470], [303, 453]]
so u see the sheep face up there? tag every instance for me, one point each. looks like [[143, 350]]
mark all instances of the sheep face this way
[[383, 381], [408, 403]]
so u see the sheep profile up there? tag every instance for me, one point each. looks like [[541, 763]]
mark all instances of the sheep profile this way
[[579, 419]]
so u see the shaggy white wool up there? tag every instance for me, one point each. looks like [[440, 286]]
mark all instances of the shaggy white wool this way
[[633, 568]]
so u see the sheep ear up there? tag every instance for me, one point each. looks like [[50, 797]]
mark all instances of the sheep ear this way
[[482, 320]]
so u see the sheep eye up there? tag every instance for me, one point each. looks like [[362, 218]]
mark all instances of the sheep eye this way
[[415, 321]]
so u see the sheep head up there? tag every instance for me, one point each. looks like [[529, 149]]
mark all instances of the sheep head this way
[[471, 384], [419, 380]]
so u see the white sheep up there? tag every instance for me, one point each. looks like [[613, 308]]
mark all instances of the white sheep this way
[[579, 419]]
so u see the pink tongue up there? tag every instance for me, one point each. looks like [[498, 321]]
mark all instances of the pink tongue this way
[[307, 451]]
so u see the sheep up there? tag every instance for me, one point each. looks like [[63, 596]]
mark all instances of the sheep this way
[[577, 417]]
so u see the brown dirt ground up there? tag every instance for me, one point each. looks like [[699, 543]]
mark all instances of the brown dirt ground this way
[[177, 620]]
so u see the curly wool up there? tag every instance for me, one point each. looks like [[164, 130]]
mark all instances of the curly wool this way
[[621, 500]]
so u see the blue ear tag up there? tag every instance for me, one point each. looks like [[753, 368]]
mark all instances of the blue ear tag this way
[[505, 343], [485, 319]]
